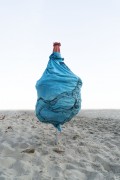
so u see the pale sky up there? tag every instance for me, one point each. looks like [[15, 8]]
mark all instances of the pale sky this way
[[89, 32]]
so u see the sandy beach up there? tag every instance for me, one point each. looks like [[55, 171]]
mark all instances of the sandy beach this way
[[89, 147]]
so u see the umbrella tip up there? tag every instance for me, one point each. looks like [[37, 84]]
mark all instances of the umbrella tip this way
[[56, 47]]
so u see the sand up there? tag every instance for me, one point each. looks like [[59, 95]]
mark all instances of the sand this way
[[89, 147]]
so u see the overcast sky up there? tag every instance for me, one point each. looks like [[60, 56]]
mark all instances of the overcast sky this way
[[89, 32]]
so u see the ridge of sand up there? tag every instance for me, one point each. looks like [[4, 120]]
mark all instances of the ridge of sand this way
[[89, 147]]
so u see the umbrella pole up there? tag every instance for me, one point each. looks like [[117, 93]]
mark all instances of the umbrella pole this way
[[56, 137]]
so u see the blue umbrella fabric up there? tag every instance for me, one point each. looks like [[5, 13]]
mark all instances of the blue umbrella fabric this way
[[58, 93]]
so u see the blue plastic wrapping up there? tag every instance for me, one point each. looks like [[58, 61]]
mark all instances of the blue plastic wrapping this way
[[58, 93]]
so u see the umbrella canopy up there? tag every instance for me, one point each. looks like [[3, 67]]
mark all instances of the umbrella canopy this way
[[58, 91]]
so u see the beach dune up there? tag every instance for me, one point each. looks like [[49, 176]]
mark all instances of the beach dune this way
[[89, 147]]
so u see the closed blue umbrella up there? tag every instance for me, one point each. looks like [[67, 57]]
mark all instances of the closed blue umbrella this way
[[58, 92]]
